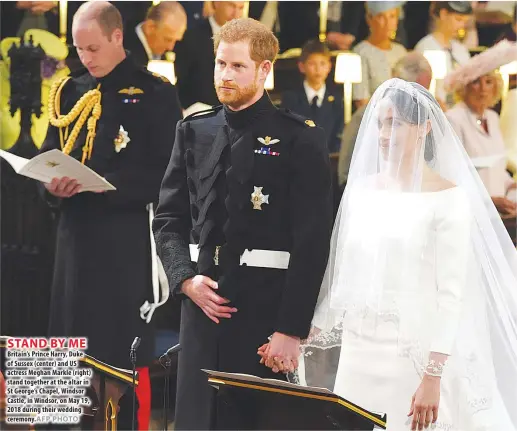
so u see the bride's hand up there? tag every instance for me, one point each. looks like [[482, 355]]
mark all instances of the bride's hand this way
[[425, 402]]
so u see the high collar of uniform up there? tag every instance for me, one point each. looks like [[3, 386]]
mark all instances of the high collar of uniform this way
[[246, 117], [117, 74]]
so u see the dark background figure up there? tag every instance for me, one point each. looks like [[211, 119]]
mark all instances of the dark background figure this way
[[18, 16], [150, 39], [195, 56], [349, 26], [416, 22], [102, 273]]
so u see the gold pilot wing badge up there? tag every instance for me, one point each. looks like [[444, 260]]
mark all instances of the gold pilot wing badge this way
[[121, 140], [258, 199], [131, 91], [268, 141]]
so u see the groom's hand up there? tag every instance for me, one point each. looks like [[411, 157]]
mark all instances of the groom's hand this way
[[283, 353], [200, 290]]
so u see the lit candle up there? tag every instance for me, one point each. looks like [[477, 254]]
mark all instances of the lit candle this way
[[506, 70], [246, 9], [324, 7], [62, 19]]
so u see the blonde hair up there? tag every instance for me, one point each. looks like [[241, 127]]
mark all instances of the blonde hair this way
[[459, 94], [263, 43]]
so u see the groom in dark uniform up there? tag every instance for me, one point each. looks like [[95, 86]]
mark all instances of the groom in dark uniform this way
[[243, 226], [102, 274]]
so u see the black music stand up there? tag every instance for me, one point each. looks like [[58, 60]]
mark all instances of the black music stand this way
[[251, 403]]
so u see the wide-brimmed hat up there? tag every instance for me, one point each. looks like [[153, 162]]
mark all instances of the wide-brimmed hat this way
[[489, 60]]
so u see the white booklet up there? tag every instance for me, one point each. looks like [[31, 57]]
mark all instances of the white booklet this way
[[56, 164]]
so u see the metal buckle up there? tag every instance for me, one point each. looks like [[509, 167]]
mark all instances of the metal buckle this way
[[216, 255]]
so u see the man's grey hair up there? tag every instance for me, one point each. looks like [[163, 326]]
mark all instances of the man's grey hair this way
[[159, 11], [411, 66]]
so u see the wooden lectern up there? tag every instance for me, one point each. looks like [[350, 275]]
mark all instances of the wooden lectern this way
[[247, 402], [108, 385]]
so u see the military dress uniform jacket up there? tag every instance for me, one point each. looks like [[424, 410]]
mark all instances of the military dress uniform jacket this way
[[102, 269], [257, 179]]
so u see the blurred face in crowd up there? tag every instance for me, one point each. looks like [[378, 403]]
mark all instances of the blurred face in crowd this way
[[225, 11], [163, 35], [237, 78], [451, 23], [316, 69], [98, 52], [384, 24], [480, 93]]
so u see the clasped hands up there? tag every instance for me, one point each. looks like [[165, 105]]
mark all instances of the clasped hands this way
[[282, 351]]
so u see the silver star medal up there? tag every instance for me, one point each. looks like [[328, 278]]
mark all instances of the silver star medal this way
[[121, 140], [258, 199]]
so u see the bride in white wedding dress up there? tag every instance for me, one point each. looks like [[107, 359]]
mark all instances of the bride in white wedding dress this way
[[420, 293]]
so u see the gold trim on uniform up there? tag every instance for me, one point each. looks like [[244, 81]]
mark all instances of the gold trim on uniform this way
[[131, 91], [89, 103], [268, 141]]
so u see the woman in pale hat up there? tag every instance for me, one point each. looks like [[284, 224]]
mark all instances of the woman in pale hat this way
[[478, 87], [379, 53], [449, 18]]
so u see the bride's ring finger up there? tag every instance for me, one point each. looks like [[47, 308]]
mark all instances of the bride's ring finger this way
[[421, 420], [428, 418], [415, 421]]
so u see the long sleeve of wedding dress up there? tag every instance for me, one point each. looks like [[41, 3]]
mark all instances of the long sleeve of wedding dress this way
[[452, 239]]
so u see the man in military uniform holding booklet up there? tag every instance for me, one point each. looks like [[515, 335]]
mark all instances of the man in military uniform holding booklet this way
[[119, 120]]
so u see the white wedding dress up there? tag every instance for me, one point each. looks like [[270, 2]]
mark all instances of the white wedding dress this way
[[412, 247]]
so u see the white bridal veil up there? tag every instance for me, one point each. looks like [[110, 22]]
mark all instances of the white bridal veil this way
[[417, 241]]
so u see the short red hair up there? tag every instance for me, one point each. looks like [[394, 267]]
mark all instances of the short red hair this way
[[263, 43]]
